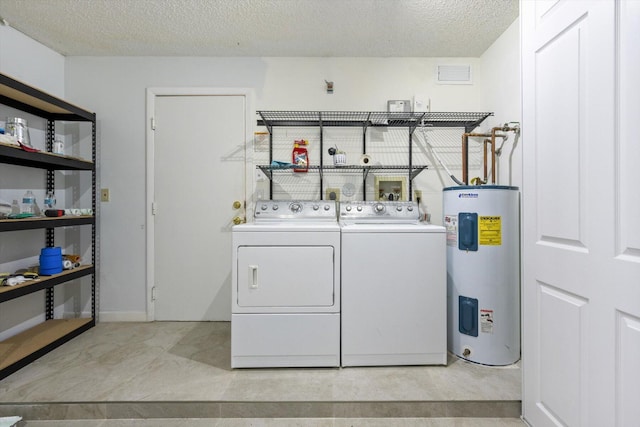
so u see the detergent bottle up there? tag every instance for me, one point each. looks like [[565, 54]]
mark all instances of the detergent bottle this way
[[299, 156]]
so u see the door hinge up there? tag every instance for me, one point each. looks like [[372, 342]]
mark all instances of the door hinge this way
[[154, 208], [154, 294], [153, 123]]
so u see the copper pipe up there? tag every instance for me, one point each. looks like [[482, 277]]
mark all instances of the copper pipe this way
[[465, 149], [486, 141], [465, 154]]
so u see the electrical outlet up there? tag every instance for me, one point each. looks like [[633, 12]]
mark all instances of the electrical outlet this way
[[417, 194], [104, 195]]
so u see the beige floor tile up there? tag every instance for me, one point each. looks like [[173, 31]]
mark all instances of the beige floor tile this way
[[190, 361]]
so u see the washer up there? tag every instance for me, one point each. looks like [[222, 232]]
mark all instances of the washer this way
[[394, 286], [286, 286]]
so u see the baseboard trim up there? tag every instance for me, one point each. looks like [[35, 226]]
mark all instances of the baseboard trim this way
[[122, 316]]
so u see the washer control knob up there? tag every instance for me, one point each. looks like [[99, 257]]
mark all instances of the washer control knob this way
[[263, 207], [296, 207], [348, 208], [327, 207], [274, 207], [316, 207], [399, 208], [378, 208], [410, 208], [359, 208]]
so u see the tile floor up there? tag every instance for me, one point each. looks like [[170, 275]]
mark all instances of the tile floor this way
[[180, 370]]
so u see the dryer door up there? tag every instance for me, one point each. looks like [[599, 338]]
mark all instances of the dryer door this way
[[285, 276]]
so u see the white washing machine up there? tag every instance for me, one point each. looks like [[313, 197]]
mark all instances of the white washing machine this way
[[286, 286], [394, 286]]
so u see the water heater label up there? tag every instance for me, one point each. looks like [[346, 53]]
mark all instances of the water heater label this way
[[486, 321], [490, 230], [451, 225]]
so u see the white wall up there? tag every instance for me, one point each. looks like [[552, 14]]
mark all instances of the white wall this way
[[501, 94], [115, 89], [31, 62]]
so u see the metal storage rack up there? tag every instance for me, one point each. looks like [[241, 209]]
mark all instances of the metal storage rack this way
[[364, 120], [25, 347]]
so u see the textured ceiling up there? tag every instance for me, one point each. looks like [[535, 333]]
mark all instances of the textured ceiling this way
[[348, 28]]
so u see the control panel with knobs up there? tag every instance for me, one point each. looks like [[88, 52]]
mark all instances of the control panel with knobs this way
[[380, 212], [296, 210]]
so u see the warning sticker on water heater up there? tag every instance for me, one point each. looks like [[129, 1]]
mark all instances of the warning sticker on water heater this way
[[486, 321], [451, 224], [490, 230]]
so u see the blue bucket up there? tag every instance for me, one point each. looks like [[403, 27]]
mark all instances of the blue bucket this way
[[50, 261]]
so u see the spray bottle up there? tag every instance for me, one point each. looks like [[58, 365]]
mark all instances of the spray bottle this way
[[299, 156]]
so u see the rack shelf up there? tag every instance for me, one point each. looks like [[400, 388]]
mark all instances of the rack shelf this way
[[415, 169], [467, 120], [21, 349], [363, 120], [42, 160], [17, 94], [44, 282], [45, 222]]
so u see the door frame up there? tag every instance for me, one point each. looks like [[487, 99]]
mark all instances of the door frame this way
[[152, 94]]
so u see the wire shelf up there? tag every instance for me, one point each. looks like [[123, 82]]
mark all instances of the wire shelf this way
[[467, 120]]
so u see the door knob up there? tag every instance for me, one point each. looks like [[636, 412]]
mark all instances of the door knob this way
[[237, 204], [237, 220]]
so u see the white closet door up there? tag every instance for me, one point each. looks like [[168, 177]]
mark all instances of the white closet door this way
[[199, 171], [581, 247]]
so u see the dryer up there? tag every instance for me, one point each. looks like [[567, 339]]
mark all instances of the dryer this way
[[286, 286], [394, 286]]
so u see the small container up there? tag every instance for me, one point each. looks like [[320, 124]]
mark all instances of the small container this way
[[50, 200], [58, 147], [28, 203], [50, 261], [300, 156], [17, 127]]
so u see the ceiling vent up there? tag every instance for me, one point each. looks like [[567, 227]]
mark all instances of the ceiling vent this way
[[453, 74]]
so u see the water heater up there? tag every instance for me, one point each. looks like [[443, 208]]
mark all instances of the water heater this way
[[483, 272]]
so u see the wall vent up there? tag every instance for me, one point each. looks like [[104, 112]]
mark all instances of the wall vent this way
[[453, 74]]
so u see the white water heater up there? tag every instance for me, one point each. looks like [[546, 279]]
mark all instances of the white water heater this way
[[483, 273]]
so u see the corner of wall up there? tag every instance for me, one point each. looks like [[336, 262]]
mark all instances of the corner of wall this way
[[33, 58]]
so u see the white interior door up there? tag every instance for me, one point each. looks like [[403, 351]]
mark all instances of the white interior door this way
[[581, 248], [199, 171]]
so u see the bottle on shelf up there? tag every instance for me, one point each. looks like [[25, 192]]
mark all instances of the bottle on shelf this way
[[28, 202], [50, 200], [300, 156]]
